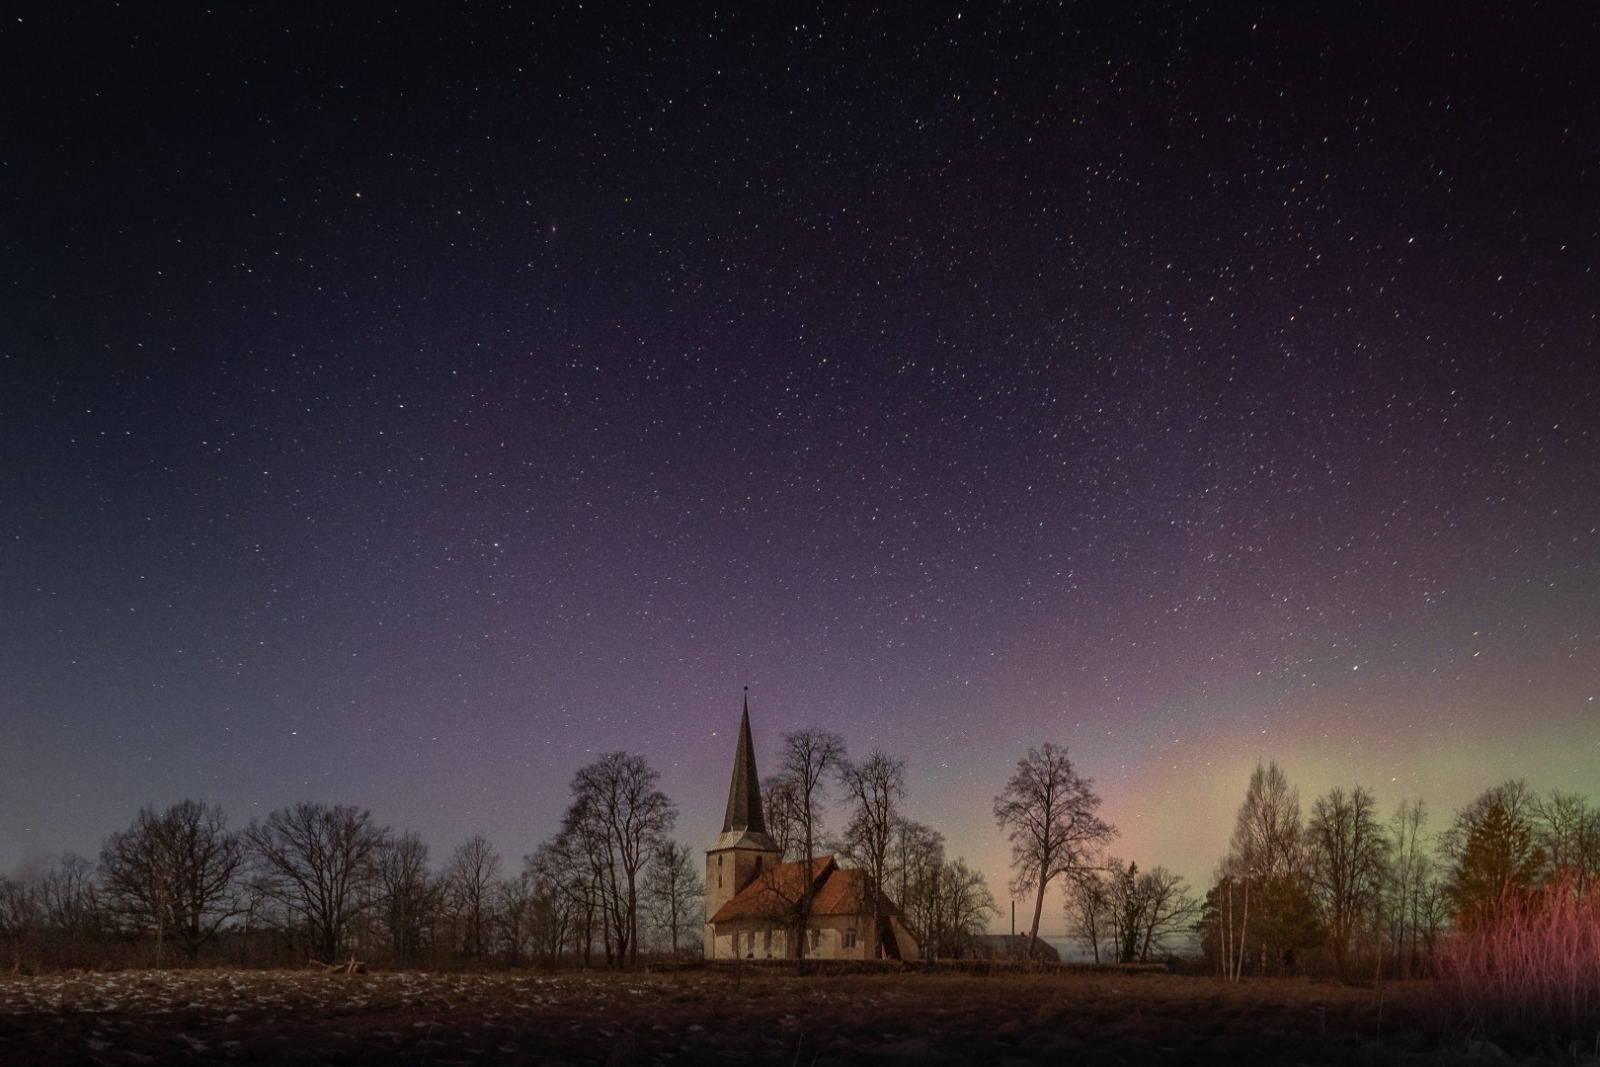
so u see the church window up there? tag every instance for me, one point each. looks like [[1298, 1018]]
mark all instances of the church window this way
[[849, 937], [751, 942], [766, 940]]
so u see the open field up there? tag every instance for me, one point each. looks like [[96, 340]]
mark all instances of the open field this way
[[759, 1016]]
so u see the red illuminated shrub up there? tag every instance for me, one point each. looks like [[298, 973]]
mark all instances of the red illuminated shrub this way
[[1528, 970]]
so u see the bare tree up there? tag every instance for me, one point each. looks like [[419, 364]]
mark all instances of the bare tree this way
[[1048, 812], [516, 910], [1166, 909], [559, 889], [946, 905], [71, 895], [794, 809], [407, 895], [314, 862], [916, 863], [1088, 908], [674, 891], [175, 874], [1406, 891], [1348, 860], [468, 881], [1567, 828], [1267, 832], [875, 787], [616, 802], [781, 803], [583, 848], [19, 915]]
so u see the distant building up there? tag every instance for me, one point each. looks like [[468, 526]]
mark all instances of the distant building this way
[[753, 898]]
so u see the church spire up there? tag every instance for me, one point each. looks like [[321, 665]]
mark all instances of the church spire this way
[[744, 792]]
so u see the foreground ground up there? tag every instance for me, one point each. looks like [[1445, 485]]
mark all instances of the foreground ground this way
[[753, 1017]]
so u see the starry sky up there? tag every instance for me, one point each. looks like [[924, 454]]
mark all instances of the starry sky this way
[[403, 409]]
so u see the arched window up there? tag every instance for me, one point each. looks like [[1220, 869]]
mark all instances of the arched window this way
[[849, 937]]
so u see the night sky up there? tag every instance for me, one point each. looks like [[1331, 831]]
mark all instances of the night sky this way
[[405, 409]]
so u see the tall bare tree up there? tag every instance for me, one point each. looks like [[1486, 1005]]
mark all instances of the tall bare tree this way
[[407, 894], [1348, 856], [875, 788], [315, 862], [1267, 831], [468, 879], [176, 874], [1048, 812], [794, 797], [616, 801], [1410, 888]]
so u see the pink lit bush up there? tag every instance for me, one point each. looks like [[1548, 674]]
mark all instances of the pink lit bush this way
[[1529, 970]]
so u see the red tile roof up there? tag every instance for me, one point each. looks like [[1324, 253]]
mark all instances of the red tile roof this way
[[774, 895]]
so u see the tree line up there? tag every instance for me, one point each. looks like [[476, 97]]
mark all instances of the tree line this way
[[1341, 889], [322, 881], [325, 882], [1347, 890]]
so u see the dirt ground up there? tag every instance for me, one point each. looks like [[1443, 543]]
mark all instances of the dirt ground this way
[[693, 1017]]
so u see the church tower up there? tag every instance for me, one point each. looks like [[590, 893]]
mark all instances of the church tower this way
[[743, 849]]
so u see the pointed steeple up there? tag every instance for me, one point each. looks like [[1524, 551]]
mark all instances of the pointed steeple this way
[[744, 792]]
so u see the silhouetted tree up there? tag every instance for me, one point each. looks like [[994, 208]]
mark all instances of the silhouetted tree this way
[[623, 818], [468, 881], [794, 809], [780, 802], [674, 892], [408, 897], [1412, 887], [516, 912], [1348, 860], [874, 787], [1088, 911], [1499, 858], [559, 897], [1567, 829], [315, 862], [1048, 811], [175, 874], [1267, 830]]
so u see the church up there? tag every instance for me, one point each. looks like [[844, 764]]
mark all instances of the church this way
[[755, 901]]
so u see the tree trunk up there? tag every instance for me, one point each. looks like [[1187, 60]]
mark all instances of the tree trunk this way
[[1038, 909]]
